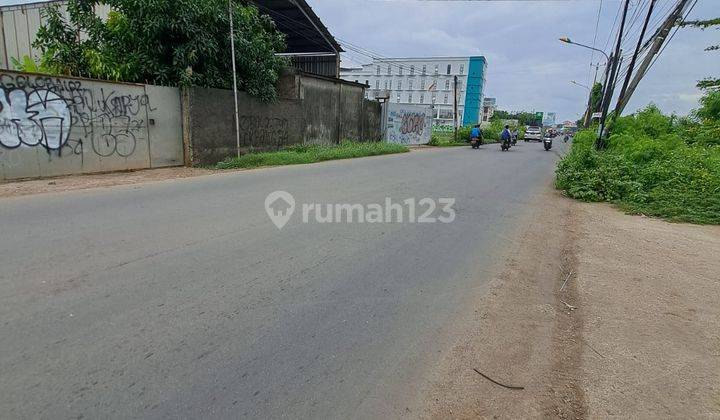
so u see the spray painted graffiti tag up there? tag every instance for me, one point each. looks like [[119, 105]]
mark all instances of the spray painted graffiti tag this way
[[38, 117], [413, 123]]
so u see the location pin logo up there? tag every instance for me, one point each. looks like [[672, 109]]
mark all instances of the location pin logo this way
[[280, 206]]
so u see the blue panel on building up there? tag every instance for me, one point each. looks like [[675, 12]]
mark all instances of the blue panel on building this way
[[474, 90]]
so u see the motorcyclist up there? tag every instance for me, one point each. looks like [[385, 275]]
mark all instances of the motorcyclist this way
[[506, 136], [476, 133], [514, 134]]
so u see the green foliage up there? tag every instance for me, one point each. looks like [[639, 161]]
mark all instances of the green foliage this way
[[445, 139], [523, 117], [709, 107], [311, 153], [654, 164], [596, 97], [29, 65], [164, 42]]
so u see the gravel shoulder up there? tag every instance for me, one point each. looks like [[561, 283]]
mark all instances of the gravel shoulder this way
[[634, 331]]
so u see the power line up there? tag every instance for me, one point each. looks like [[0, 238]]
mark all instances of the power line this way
[[592, 53]]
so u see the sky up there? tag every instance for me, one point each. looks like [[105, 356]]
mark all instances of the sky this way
[[528, 68]]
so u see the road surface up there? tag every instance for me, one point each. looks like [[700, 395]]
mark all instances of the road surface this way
[[180, 299]]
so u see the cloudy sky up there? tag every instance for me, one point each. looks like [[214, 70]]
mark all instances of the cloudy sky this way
[[528, 68]]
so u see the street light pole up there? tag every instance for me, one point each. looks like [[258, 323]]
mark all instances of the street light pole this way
[[232, 54], [568, 41]]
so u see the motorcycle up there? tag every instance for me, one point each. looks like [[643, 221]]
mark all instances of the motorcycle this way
[[505, 145], [475, 143], [566, 138], [547, 143]]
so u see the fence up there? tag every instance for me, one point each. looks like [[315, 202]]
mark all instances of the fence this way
[[60, 125], [407, 124], [56, 126], [311, 110]]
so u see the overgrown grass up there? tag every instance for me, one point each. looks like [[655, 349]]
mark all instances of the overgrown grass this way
[[445, 139], [303, 154], [653, 165]]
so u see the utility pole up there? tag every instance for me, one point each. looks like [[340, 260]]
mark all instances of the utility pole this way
[[232, 54], [455, 81], [658, 40], [599, 144], [618, 107]]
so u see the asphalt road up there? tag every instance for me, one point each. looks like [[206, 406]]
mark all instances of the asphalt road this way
[[180, 299]]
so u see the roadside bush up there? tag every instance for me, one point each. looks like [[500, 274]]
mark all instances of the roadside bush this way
[[654, 164]]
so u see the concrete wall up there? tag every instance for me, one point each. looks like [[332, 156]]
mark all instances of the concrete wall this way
[[311, 110], [211, 124], [57, 126], [407, 124]]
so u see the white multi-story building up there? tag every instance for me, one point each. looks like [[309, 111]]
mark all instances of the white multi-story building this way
[[428, 80], [489, 107]]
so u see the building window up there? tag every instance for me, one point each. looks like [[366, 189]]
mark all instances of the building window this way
[[386, 85], [436, 69], [449, 68], [409, 98], [412, 71], [398, 97], [424, 69], [422, 83], [389, 70], [410, 84], [446, 98], [447, 85], [399, 84], [462, 68], [377, 71], [400, 69], [377, 84], [422, 98], [434, 99]]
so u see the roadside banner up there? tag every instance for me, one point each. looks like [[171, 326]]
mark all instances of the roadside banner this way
[[407, 124]]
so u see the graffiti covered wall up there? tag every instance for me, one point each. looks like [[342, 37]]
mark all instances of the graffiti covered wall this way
[[407, 124], [55, 126]]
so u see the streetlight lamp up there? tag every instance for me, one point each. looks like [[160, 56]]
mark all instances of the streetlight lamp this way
[[579, 84], [607, 63], [568, 41]]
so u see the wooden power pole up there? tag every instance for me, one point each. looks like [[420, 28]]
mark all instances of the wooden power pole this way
[[658, 40], [610, 88]]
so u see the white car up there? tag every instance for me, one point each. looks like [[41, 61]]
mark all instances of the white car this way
[[533, 133]]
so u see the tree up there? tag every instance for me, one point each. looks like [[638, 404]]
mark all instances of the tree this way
[[523, 117], [708, 83], [164, 42], [596, 97]]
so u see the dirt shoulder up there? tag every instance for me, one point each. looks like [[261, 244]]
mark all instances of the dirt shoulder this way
[[634, 331], [85, 181]]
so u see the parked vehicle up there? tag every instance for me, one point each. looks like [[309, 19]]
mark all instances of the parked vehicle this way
[[547, 142], [533, 133]]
